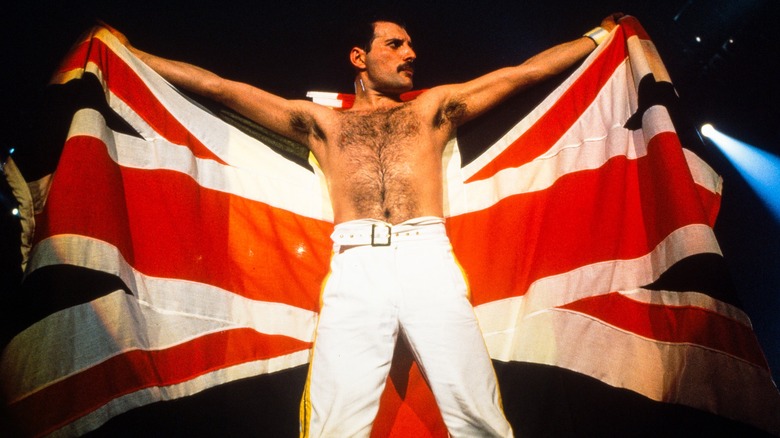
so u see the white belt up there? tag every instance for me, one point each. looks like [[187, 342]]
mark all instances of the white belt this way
[[378, 233]]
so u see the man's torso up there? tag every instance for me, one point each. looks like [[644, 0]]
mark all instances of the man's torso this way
[[383, 164]]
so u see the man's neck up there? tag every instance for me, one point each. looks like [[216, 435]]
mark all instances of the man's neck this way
[[367, 99], [374, 102]]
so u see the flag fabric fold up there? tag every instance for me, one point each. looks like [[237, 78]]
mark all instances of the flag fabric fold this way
[[177, 260]]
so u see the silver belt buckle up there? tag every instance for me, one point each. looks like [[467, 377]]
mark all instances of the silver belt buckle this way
[[373, 235]]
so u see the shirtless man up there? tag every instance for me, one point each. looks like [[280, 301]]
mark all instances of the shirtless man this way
[[393, 270]]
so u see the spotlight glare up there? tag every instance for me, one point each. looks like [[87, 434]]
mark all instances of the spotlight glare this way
[[15, 212], [760, 169]]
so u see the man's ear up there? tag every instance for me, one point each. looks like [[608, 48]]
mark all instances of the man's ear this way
[[357, 57]]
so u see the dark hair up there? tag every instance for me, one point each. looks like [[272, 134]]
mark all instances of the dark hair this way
[[362, 34]]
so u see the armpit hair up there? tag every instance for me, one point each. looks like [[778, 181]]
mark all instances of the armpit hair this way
[[452, 112], [305, 124]]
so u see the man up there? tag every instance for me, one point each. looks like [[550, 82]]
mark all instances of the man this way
[[393, 270]]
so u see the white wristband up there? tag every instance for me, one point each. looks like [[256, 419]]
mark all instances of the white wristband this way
[[597, 34]]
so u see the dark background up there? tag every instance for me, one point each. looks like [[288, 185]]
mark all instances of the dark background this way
[[294, 46]]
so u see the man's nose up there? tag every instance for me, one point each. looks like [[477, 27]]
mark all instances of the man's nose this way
[[409, 54]]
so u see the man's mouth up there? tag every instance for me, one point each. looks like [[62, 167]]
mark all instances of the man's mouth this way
[[406, 68]]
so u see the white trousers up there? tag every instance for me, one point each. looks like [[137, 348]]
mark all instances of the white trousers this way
[[412, 284]]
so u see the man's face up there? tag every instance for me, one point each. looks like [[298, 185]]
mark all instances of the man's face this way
[[389, 62]]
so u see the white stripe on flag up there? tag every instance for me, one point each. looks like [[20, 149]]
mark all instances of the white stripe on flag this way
[[502, 316], [146, 396], [266, 177], [81, 336]]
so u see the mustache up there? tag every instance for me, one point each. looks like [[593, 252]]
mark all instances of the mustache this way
[[406, 66]]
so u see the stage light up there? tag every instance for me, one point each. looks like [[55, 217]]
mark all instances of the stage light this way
[[760, 169]]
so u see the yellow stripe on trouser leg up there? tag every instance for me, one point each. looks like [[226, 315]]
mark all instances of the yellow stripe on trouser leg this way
[[304, 412]]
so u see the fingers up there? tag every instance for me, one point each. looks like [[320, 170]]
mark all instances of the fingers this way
[[106, 25], [119, 35], [611, 20]]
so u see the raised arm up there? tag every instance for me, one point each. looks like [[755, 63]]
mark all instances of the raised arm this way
[[286, 117], [479, 95]]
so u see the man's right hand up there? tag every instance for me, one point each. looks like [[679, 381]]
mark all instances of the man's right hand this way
[[119, 35], [611, 21]]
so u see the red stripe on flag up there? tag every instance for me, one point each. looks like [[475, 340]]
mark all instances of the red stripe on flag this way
[[554, 123], [630, 26], [620, 211], [166, 225], [76, 57], [56, 405], [676, 324], [125, 84], [407, 406], [710, 202]]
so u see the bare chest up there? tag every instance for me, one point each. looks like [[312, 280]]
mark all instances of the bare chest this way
[[377, 133], [378, 159]]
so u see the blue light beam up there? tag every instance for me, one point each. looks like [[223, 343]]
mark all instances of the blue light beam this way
[[760, 169]]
